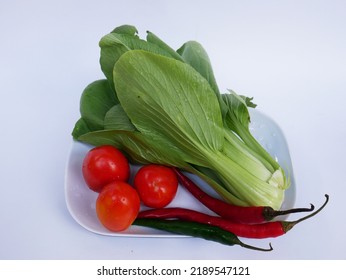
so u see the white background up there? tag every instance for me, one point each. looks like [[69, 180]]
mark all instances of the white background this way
[[289, 55]]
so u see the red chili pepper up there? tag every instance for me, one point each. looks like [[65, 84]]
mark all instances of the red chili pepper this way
[[239, 214], [263, 230]]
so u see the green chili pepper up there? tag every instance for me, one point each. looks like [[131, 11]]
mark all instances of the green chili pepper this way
[[195, 229]]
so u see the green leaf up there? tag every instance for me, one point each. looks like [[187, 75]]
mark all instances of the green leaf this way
[[152, 38], [194, 54], [115, 44], [126, 29], [237, 107], [117, 119], [162, 98], [97, 98], [248, 101], [137, 146], [80, 128]]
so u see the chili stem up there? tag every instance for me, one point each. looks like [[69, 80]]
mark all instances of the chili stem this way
[[289, 225], [269, 213]]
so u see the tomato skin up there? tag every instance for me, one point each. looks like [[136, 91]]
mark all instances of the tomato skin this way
[[117, 206], [157, 185], [103, 165]]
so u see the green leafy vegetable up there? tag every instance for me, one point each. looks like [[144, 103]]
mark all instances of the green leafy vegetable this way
[[164, 106]]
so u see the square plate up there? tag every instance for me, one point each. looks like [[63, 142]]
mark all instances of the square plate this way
[[81, 200]]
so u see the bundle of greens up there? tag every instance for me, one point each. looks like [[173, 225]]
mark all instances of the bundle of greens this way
[[163, 106]]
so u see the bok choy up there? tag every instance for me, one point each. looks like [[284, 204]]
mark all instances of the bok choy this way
[[164, 106]]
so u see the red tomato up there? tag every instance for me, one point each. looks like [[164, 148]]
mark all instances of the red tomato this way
[[117, 206], [104, 164], [156, 185]]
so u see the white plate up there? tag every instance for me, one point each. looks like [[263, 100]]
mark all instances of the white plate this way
[[80, 199]]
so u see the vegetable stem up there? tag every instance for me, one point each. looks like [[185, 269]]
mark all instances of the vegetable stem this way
[[269, 213], [243, 184], [289, 225]]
